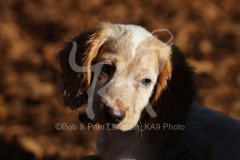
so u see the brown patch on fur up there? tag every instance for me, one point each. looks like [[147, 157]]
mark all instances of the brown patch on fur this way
[[98, 38], [162, 81], [119, 103]]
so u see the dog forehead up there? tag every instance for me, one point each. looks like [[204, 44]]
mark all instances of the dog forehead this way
[[133, 46], [137, 34]]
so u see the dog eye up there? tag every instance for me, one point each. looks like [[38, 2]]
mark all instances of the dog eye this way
[[107, 69], [145, 81]]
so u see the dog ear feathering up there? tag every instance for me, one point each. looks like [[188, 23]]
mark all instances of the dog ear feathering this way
[[173, 93], [72, 85], [174, 101]]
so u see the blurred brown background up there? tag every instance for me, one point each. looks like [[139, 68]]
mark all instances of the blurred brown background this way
[[32, 32]]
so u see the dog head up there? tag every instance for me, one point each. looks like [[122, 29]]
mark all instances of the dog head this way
[[126, 70]]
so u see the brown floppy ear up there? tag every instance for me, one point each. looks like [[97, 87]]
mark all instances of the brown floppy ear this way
[[72, 86], [175, 92]]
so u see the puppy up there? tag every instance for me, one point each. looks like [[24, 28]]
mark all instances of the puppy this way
[[142, 93]]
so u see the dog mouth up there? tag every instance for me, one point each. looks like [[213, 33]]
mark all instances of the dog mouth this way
[[83, 118], [111, 118]]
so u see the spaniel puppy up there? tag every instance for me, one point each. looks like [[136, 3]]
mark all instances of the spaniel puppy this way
[[141, 92]]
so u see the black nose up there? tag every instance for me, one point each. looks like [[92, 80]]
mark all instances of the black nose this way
[[114, 116]]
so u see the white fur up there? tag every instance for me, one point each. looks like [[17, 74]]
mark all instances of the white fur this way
[[139, 34]]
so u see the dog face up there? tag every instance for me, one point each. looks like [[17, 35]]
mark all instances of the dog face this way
[[135, 72], [128, 76]]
